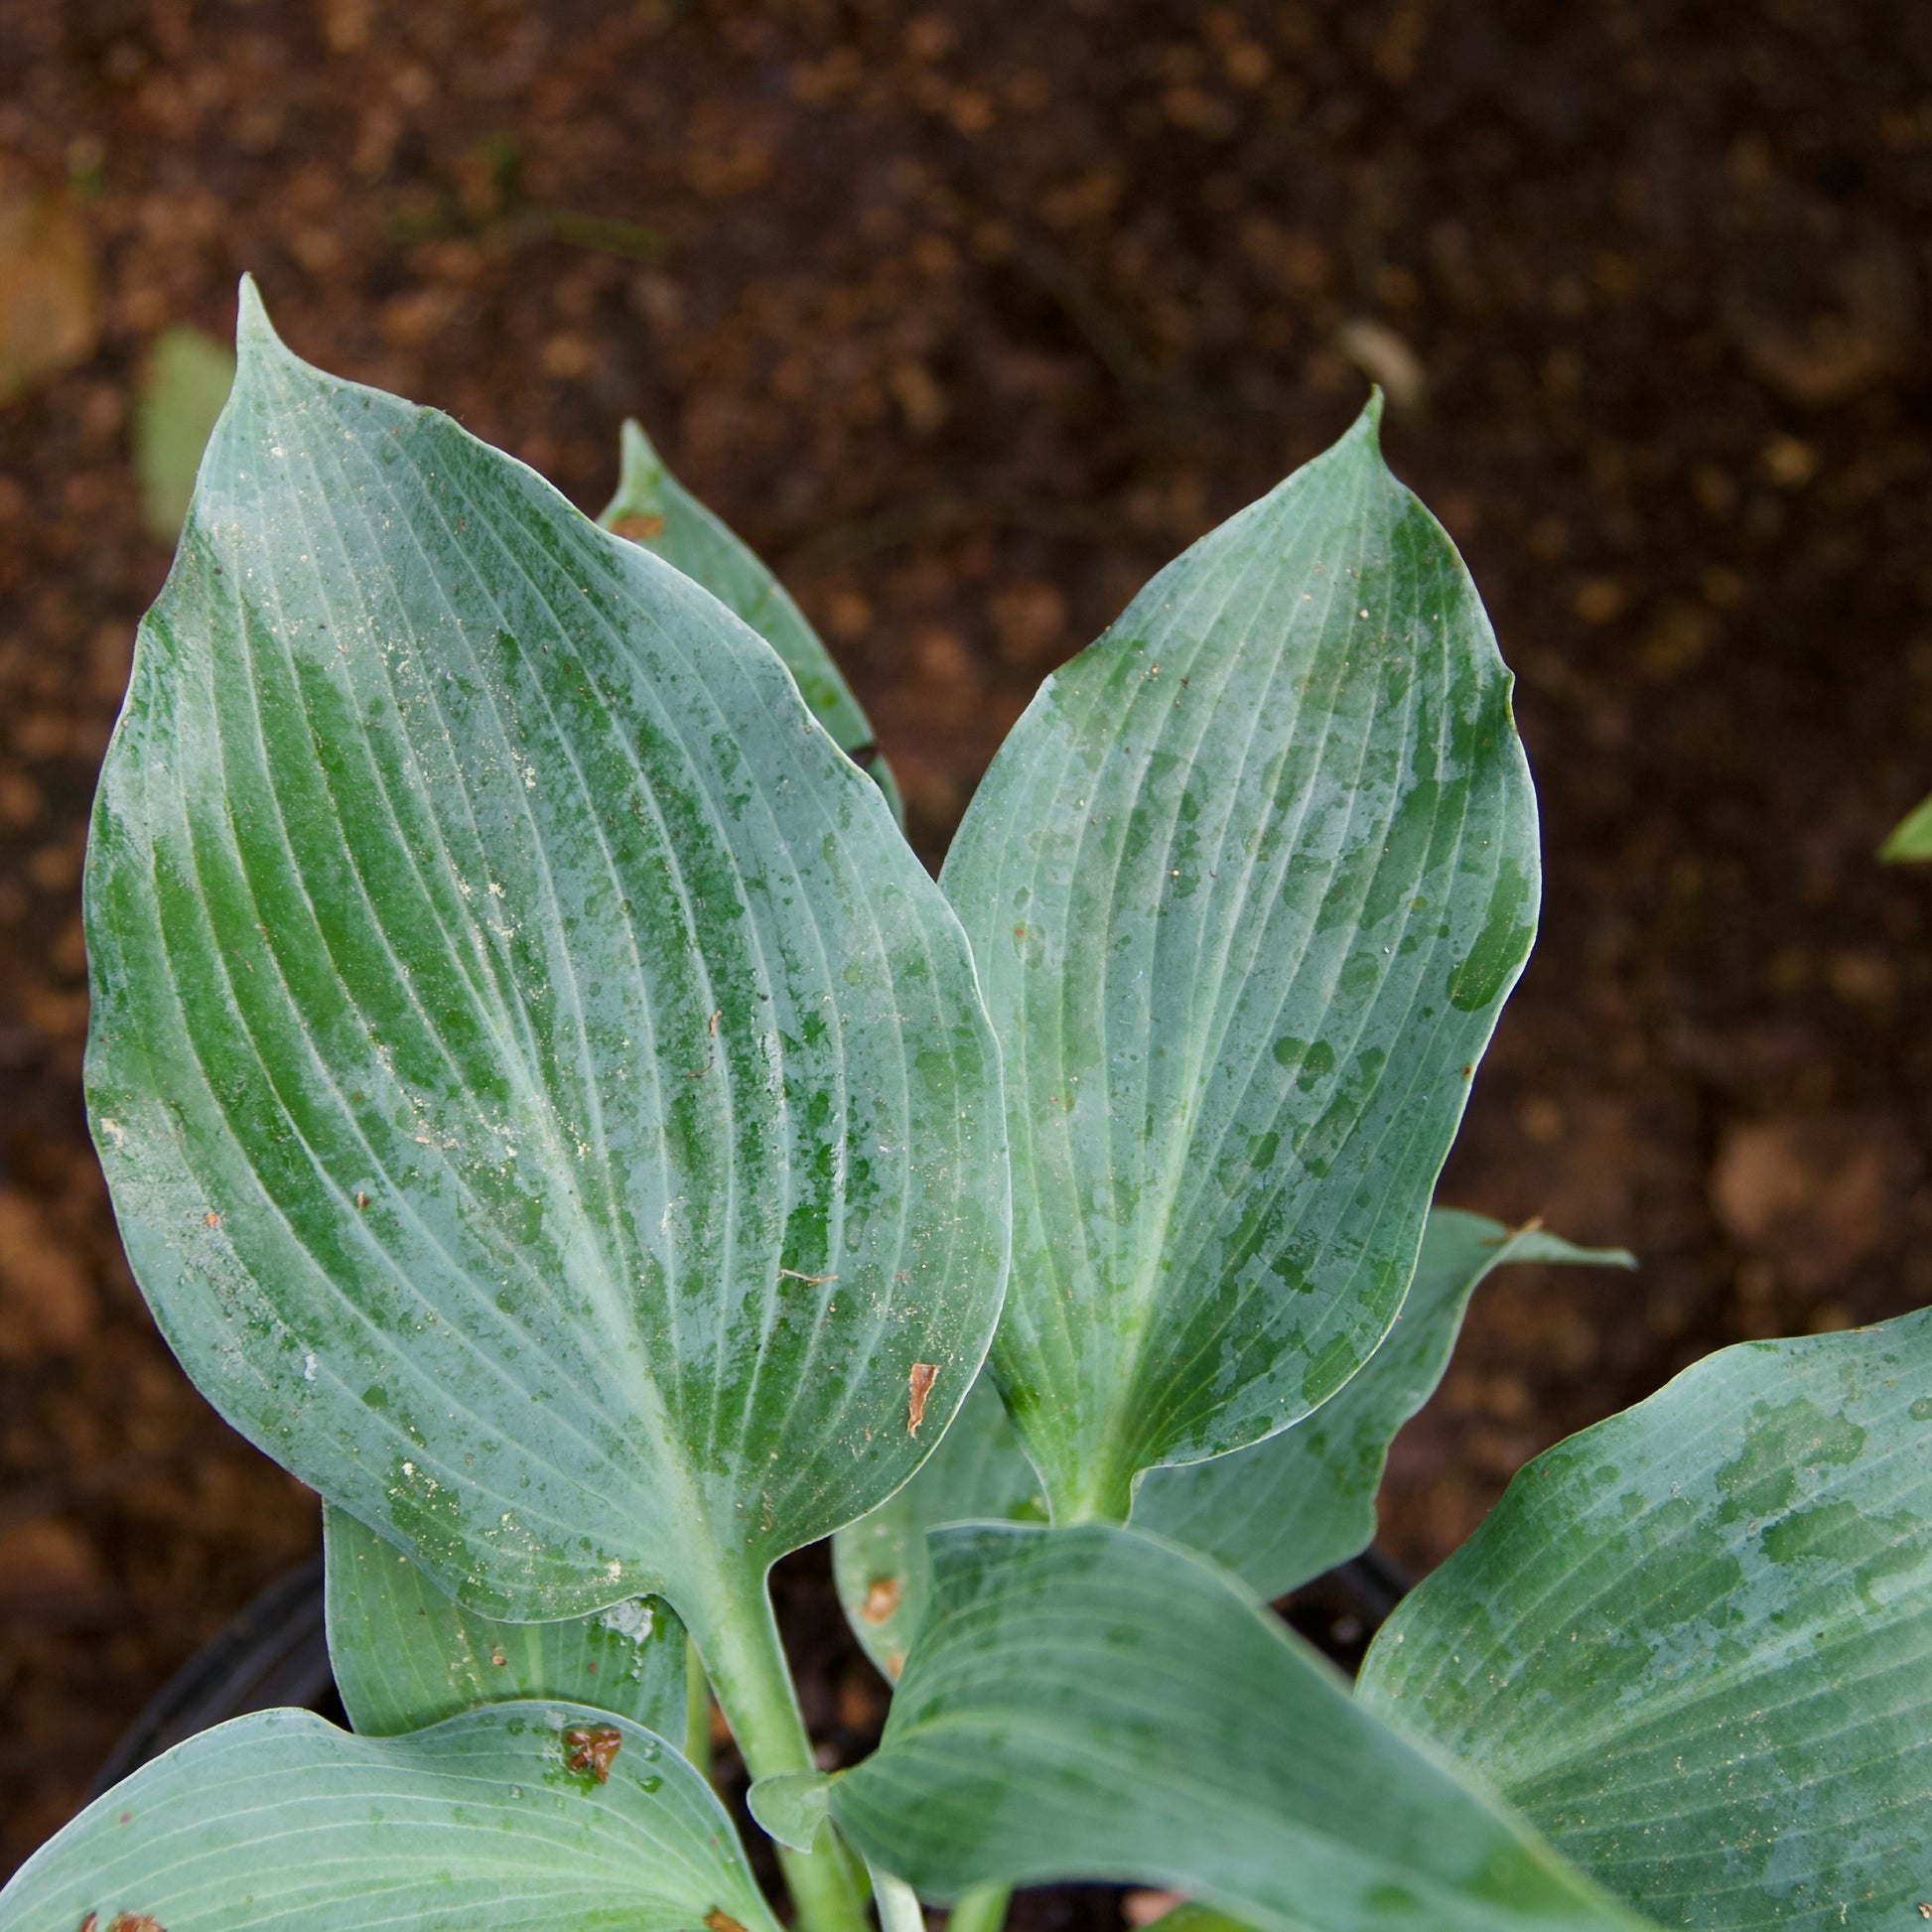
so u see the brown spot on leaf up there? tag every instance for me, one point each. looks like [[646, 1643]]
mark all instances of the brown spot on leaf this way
[[361, 1200], [716, 1921], [920, 1386], [209, 1220], [881, 1599], [639, 529], [496, 1656], [590, 1747], [895, 1663], [133, 1922]]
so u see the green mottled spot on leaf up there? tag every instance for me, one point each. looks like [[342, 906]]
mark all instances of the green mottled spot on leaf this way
[[1328, 1371], [1784, 1438], [1317, 1064], [1504, 943]]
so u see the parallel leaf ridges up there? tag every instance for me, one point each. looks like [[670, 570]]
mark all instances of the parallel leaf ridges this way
[[566, 1128], [1247, 887]]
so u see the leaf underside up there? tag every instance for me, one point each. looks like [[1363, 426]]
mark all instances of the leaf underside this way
[[1247, 887], [1695, 1642], [547, 1105], [1275, 1514], [1089, 1704], [406, 1656], [281, 1822], [654, 508]]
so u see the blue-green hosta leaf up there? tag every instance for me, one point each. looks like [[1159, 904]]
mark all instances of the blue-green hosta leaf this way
[[406, 1656], [654, 508], [1276, 1513], [494, 1821], [1090, 1703], [1695, 1642], [1288, 1508], [1247, 887], [547, 1105]]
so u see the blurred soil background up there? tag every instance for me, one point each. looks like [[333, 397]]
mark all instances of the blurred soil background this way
[[969, 317]]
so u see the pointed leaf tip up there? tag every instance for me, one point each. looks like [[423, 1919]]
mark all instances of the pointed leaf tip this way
[[635, 450], [253, 331], [1373, 413]]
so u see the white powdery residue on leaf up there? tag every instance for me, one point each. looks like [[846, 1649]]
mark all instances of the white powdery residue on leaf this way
[[632, 1619]]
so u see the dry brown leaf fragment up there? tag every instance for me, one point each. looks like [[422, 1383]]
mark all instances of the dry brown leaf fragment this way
[[920, 1386], [592, 1748], [49, 314], [721, 1921], [1387, 358], [881, 1599]]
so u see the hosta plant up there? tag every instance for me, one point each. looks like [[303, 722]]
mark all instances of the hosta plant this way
[[551, 1110]]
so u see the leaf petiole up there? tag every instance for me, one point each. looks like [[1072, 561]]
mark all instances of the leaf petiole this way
[[745, 1663]]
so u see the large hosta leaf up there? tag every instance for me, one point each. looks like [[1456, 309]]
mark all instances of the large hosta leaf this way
[[654, 508], [1285, 1509], [494, 1821], [406, 1656], [1276, 1513], [1247, 887], [1091, 1704], [547, 1104], [1695, 1642]]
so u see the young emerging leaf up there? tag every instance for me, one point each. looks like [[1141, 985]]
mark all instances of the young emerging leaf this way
[[1247, 887], [1285, 1509], [406, 1656], [494, 1821], [790, 1808], [1695, 1642], [654, 508], [1088, 1704], [547, 1105], [1276, 1513]]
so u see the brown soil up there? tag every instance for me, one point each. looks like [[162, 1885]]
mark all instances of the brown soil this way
[[969, 317]]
